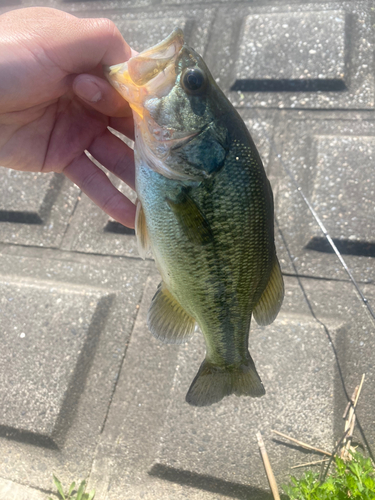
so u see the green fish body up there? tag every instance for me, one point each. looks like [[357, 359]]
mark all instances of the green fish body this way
[[205, 207]]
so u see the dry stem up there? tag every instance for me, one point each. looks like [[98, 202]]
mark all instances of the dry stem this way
[[267, 466], [350, 419], [304, 445], [310, 463]]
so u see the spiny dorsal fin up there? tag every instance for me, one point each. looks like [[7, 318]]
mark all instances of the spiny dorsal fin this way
[[141, 233], [167, 320], [270, 302], [191, 219]]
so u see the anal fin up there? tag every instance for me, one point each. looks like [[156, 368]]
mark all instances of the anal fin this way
[[167, 320], [270, 302]]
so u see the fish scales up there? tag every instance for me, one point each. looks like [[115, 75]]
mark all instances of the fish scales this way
[[213, 271], [205, 207]]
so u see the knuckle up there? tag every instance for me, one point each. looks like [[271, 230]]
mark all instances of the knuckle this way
[[106, 27], [121, 164], [91, 179], [111, 203]]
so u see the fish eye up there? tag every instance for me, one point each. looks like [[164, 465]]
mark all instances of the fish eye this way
[[193, 80]]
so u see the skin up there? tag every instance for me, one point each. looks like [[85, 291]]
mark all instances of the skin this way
[[55, 102]]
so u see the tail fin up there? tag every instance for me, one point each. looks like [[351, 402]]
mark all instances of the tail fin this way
[[212, 383]]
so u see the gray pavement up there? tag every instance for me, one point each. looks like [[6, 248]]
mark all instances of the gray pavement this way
[[85, 390]]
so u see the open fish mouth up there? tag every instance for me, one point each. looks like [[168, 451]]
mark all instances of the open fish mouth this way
[[150, 73]]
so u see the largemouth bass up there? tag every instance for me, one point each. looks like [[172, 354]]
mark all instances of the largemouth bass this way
[[205, 207]]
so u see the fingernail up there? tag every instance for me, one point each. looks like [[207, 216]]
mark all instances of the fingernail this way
[[88, 90]]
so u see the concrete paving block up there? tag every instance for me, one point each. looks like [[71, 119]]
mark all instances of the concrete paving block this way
[[310, 52], [42, 348], [134, 30], [92, 231], [11, 491], [66, 321], [130, 438], [9, 4], [332, 161], [354, 343], [341, 178], [35, 208], [254, 3], [164, 447], [103, 5], [142, 29], [73, 5], [27, 196], [295, 56]]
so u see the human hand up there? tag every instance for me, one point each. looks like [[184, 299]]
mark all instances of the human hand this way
[[47, 59]]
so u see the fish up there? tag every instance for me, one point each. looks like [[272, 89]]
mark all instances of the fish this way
[[205, 210]]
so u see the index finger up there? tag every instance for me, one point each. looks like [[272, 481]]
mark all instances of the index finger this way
[[96, 185], [42, 48]]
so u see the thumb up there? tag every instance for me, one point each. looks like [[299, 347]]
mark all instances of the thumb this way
[[100, 95]]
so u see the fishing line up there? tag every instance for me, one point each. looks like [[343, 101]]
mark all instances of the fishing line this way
[[343, 263], [319, 222], [327, 332]]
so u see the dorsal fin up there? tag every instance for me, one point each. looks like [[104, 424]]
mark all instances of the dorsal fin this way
[[270, 302]]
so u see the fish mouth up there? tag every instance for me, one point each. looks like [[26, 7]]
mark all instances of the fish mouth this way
[[150, 73]]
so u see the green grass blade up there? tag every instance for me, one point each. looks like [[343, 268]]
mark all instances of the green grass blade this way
[[72, 486], [81, 490], [59, 487], [91, 495]]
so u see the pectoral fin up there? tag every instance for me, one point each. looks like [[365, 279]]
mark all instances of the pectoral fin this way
[[270, 302], [143, 241], [191, 220], [167, 320]]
